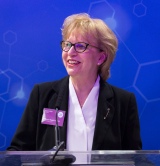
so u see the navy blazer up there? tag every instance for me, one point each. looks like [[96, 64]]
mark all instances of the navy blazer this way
[[117, 123]]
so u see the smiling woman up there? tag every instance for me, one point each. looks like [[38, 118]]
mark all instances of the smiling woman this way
[[91, 29], [103, 116]]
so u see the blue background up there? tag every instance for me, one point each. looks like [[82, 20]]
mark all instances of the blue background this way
[[30, 53]]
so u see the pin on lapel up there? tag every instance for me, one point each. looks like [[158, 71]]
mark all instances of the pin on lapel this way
[[108, 109]]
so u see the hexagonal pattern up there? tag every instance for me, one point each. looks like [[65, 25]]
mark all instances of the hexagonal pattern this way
[[4, 80], [10, 37], [140, 10], [103, 10], [42, 65], [148, 83], [30, 49]]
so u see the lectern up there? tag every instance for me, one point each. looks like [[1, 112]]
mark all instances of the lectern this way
[[94, 158]]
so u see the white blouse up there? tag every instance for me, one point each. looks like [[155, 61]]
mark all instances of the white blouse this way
[[81, 121]]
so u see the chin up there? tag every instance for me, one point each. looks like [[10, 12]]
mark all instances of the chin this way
[[72, 73]]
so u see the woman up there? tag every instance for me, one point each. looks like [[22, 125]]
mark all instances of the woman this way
[[98, 116]]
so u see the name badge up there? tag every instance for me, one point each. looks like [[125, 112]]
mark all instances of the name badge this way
[[49, 116]]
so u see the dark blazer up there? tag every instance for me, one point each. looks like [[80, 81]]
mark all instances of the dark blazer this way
[[117, 123]]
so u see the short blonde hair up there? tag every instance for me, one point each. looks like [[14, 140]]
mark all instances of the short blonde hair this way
[[103, 35]]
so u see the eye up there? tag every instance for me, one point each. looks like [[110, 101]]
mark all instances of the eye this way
[[80, 46], [67, 44]]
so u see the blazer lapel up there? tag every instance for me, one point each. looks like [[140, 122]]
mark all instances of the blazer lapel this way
[[61, 88], [105, 112]]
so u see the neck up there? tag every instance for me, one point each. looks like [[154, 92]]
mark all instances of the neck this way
[[83, 87]]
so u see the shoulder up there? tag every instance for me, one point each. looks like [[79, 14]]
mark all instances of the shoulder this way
[[119, 94], [113, 89], [119, 91], [48, 88], [52, 84], [126, 98]]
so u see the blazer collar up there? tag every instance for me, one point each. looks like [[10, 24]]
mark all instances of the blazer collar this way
[[105, 112], [60, 95]]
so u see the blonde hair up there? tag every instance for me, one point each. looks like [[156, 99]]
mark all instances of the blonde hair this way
[[103, 35]]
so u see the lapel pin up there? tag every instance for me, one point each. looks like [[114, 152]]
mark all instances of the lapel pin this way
[[108, 109]]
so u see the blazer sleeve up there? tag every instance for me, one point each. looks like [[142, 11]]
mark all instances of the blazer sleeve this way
[[131, 138], [25, 135]]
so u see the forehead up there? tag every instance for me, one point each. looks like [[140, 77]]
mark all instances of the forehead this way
[[80, 36]]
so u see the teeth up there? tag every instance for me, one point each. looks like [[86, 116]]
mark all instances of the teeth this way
[[73, 62]]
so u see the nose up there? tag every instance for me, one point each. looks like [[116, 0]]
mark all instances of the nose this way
[[72, 51]]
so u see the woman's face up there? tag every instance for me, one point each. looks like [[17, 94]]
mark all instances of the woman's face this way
[[83, 64]]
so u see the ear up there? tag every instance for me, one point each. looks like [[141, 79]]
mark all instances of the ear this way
[[102, 58]]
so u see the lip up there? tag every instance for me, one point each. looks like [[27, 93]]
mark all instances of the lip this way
[[73, 62]]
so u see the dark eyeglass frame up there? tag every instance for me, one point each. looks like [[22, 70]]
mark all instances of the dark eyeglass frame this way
[[71, 44]]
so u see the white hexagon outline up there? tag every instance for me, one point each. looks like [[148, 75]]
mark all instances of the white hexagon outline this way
[[39, 63], [136, 77], [3, 73], [9, 32], [93, 3], [139, 4]]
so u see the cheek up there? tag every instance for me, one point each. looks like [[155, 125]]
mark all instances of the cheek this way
[[64, 56]]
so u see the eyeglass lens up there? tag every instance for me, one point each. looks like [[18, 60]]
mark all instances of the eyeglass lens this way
[[79, 47]]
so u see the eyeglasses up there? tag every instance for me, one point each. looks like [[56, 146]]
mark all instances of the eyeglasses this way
[[79, 46]]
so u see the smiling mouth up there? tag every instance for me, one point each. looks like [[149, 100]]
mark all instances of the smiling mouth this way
[[73, 62]]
